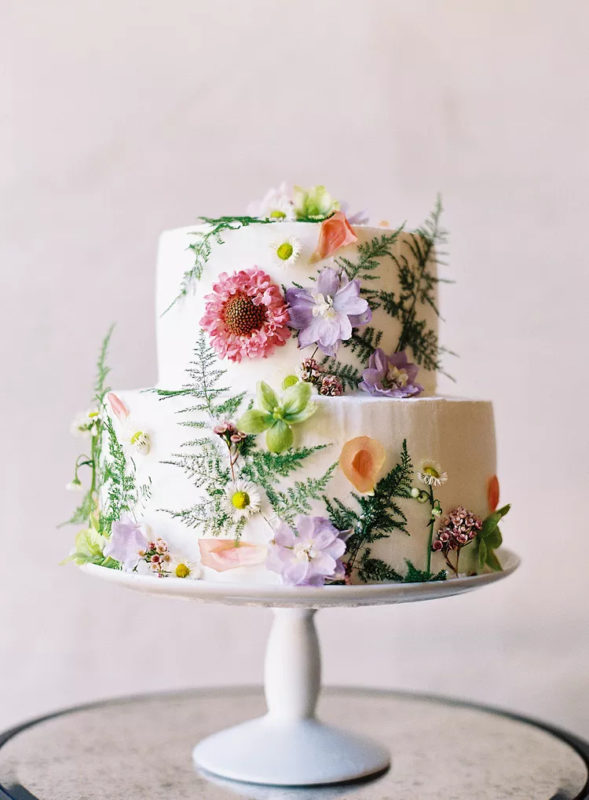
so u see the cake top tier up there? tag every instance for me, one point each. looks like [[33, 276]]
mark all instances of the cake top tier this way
[[348, 306]]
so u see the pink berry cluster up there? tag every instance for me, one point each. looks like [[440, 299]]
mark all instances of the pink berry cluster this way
[[458, 528], [313, 372], [157, 556], [229, 433]]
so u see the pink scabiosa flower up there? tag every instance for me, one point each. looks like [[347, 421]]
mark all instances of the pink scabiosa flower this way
[[246, 315], [326, 314], [309, 555]]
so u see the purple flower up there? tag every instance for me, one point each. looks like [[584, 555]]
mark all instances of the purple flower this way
[[326, 314], [390, 376], [127, 538], [309, 555]]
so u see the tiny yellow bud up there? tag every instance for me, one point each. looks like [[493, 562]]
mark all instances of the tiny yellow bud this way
[[182, 571], [277, 214]]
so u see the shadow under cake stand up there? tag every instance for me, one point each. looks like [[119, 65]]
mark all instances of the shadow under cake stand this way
[[289, 745]]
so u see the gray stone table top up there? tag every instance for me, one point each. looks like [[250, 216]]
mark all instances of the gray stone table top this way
[[140, 748]]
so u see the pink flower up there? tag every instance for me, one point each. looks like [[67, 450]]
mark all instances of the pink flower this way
[[119, 409], [224, 554], [334, 233], [246, 315]]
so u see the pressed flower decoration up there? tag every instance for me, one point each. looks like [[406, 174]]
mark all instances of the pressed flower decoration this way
[[308, 555], [86, 424], [139, 440], [493, 493], [277, 204], [127, 540], [286, 251], [456, 530], [334, 234], [314, 204], [277, 416], [223, 554], [361, 461], [431, 473], [246, 315], [390, 376], [326, 314], [243, 500]]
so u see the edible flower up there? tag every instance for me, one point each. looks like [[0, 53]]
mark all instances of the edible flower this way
[[277, 416]]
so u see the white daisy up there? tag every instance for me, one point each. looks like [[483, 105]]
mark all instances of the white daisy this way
[[286, 251], [85, 423], [141, 441], [430, 473], [277, 204], [181, 568], [242, 500]]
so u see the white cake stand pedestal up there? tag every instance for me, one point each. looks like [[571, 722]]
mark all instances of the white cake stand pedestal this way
[[289, 745]]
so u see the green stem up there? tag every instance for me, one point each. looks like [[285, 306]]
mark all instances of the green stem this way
[[431, 530]]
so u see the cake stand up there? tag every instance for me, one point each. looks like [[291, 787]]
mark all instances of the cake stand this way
[[289, 745]]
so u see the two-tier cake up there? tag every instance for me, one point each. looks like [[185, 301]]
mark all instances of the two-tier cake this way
[[295, 434]]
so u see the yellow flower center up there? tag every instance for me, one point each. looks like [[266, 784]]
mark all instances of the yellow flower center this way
[[182, 571], [240, 500], [277, 214], [430, 470], [285, 251]]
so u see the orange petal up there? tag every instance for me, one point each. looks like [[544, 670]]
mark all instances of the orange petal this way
[[119, 409], [223, 554], [361, 461], [334, 233], [493, 493]]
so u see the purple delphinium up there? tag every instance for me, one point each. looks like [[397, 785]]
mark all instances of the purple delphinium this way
[[127, 538], [326, 314], [309, 555], [390, 376]]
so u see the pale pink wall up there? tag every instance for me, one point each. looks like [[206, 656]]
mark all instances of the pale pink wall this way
[[120, 119]]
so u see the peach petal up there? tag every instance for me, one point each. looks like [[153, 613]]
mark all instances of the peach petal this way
[[334, 233], [493, 493], [361, 461], [119, 409], [224, 554]]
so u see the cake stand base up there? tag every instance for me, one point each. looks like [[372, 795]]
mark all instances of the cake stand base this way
[[290, 746], [306, 752]]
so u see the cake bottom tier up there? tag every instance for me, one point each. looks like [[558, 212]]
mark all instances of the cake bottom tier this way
[[386, 471]]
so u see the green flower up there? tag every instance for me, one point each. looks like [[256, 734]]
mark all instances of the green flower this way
[[489, 539], [277, 416], [313, 204], [89, 545]]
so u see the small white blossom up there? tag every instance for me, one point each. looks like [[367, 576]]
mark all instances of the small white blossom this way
[[242, 500], [286, 251]]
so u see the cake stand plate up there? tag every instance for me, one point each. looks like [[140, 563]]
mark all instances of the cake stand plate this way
[[289, 746]]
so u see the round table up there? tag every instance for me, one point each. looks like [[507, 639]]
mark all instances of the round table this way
[[140, 748]]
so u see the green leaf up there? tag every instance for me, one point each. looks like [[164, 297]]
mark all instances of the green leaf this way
[[494, 539], [493, 561], [254, 421], [279, 437], [308, 411], [482, 555], [266, 397], [296, 398], [491, 522]]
